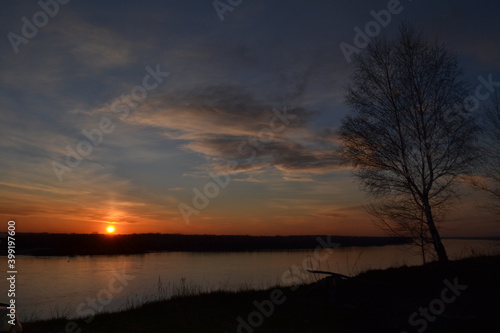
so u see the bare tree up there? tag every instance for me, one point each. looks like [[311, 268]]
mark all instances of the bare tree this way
[[408, 134]]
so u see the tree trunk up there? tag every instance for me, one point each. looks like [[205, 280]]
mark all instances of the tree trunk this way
[[423, 253], [436, 239]]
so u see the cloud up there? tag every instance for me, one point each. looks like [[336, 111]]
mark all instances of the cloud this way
[[226, 123], [94, 46], [330, 214], [340, 212]]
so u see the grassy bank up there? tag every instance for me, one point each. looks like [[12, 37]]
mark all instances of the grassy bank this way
[[465, 296]]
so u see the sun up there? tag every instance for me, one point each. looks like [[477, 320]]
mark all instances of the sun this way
[[110, 229]]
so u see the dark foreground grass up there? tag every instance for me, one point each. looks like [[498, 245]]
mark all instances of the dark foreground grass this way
[[378, 301]]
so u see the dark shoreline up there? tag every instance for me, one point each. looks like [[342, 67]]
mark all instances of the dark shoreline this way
[[48, 244]]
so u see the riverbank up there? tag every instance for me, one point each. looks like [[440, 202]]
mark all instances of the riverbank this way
[[46, 244], [461, 298]]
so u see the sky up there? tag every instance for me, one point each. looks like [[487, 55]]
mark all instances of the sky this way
[[202, 117]]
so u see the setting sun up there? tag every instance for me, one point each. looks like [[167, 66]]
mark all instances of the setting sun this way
[[110, 229]]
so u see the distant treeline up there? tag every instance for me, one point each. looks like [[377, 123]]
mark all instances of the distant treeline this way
[[91, 244]]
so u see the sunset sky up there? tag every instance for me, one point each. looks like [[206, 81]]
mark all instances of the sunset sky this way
[[167, 93]]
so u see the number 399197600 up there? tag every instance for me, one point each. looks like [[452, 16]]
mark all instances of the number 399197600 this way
[[11, 244]]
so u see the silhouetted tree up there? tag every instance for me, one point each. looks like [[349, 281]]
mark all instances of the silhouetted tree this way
[[408, 134]]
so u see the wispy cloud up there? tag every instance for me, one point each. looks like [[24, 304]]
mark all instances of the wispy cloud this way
[[226, 122], [94, 46]]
